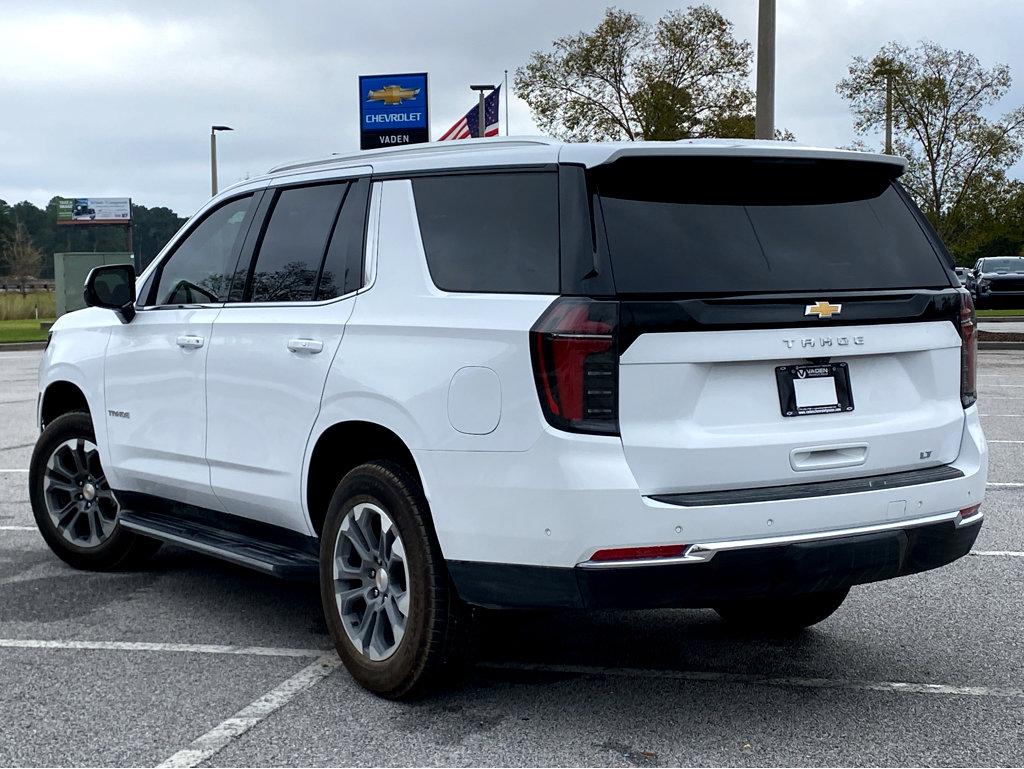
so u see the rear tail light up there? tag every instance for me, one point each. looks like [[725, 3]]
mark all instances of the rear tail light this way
[[968, 351], [576, 365]]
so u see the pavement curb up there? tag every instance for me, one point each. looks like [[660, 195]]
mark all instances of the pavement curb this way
[[1001, 345], [21, 346]]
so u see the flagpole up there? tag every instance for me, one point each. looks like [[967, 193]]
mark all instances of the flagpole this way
[[506, 102]]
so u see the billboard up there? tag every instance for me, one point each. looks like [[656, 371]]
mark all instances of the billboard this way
[[94, 211], [393, 110]]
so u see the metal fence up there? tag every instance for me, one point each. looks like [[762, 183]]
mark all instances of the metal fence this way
[[26, 287]]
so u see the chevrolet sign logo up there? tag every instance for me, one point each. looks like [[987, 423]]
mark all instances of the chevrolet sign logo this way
[[823, 309], [392, 94]]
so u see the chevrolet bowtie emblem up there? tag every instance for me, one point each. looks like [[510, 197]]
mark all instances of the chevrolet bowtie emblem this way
[[823, 309], [392, 94]]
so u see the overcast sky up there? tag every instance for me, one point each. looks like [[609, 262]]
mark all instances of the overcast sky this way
[[116, 98]]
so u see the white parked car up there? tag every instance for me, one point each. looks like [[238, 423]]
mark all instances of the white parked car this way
[[520, 373]]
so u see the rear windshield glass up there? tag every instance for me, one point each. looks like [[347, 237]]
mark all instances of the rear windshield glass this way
[[724, 225]]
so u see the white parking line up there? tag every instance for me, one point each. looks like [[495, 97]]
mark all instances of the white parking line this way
[[998, 553], [1004, 485], [19, 528], [745, 678], [991, 441], [1001, 415], [145, 646], [12, 470], [219, 737]]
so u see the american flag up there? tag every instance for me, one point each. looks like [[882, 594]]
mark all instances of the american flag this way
[[468, 125]]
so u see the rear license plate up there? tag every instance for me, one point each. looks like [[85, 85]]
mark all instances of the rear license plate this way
[[814, 389]]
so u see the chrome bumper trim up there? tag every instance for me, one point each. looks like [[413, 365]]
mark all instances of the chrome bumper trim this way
[[705, 551]]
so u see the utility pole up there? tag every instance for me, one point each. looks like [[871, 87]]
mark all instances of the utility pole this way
[[213, 155], [482, 114], [888, 112], [764, 120], [884, 67]]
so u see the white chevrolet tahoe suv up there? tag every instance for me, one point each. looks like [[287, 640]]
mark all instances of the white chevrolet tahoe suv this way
[[521, 373]]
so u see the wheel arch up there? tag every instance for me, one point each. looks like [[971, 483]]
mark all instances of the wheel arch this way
[[343, 446], [62, 397]]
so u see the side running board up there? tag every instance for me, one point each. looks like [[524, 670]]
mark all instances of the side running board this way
[[269, 557]]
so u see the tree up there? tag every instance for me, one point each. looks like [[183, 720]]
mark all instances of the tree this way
[[151, 229], [6, 222], [685, 76], [19, 256], [957, 157]]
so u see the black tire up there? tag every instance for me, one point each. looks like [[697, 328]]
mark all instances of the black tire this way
[[782, 615], [437, 622], [121, 549]]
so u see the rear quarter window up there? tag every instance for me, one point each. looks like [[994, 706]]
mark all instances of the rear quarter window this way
[[490, 232]]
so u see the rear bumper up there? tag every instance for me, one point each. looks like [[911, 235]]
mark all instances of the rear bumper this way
[[717, 573], [559, 502]]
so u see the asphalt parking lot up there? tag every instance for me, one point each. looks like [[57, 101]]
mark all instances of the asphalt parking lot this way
[[197, 662]]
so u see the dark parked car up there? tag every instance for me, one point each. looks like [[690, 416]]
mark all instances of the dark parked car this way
[[998, 280]]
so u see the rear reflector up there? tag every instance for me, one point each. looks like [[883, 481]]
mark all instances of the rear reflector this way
[[635, 553], [970, 512]]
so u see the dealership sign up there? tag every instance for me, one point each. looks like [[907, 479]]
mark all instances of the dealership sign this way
[[94, 211], [393, 110]]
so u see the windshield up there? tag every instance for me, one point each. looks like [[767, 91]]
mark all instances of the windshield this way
[[1003, 264], [744, 225]]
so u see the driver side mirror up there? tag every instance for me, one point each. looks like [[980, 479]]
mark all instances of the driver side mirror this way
[[112, 286]]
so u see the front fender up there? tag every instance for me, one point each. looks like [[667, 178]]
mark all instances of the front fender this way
[[76, 355]]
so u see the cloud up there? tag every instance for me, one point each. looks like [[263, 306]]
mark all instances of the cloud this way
[[116, 98]]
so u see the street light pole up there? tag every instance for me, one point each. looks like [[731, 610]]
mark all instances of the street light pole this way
[[213, 155], [482, 113], [764, 120]]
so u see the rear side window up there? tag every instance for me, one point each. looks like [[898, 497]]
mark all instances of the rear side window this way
[[343, 267], [493, 233], [725, 225], [294, 242]]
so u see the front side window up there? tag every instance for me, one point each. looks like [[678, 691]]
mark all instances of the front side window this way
[[294, 242], [202, 265], [490, 232]]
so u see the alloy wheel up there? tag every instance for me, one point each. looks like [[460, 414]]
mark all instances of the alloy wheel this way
[[371, 581], [78, 499]]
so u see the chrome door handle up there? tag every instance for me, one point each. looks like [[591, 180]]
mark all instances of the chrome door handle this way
[[311, 346], [190, 342]]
